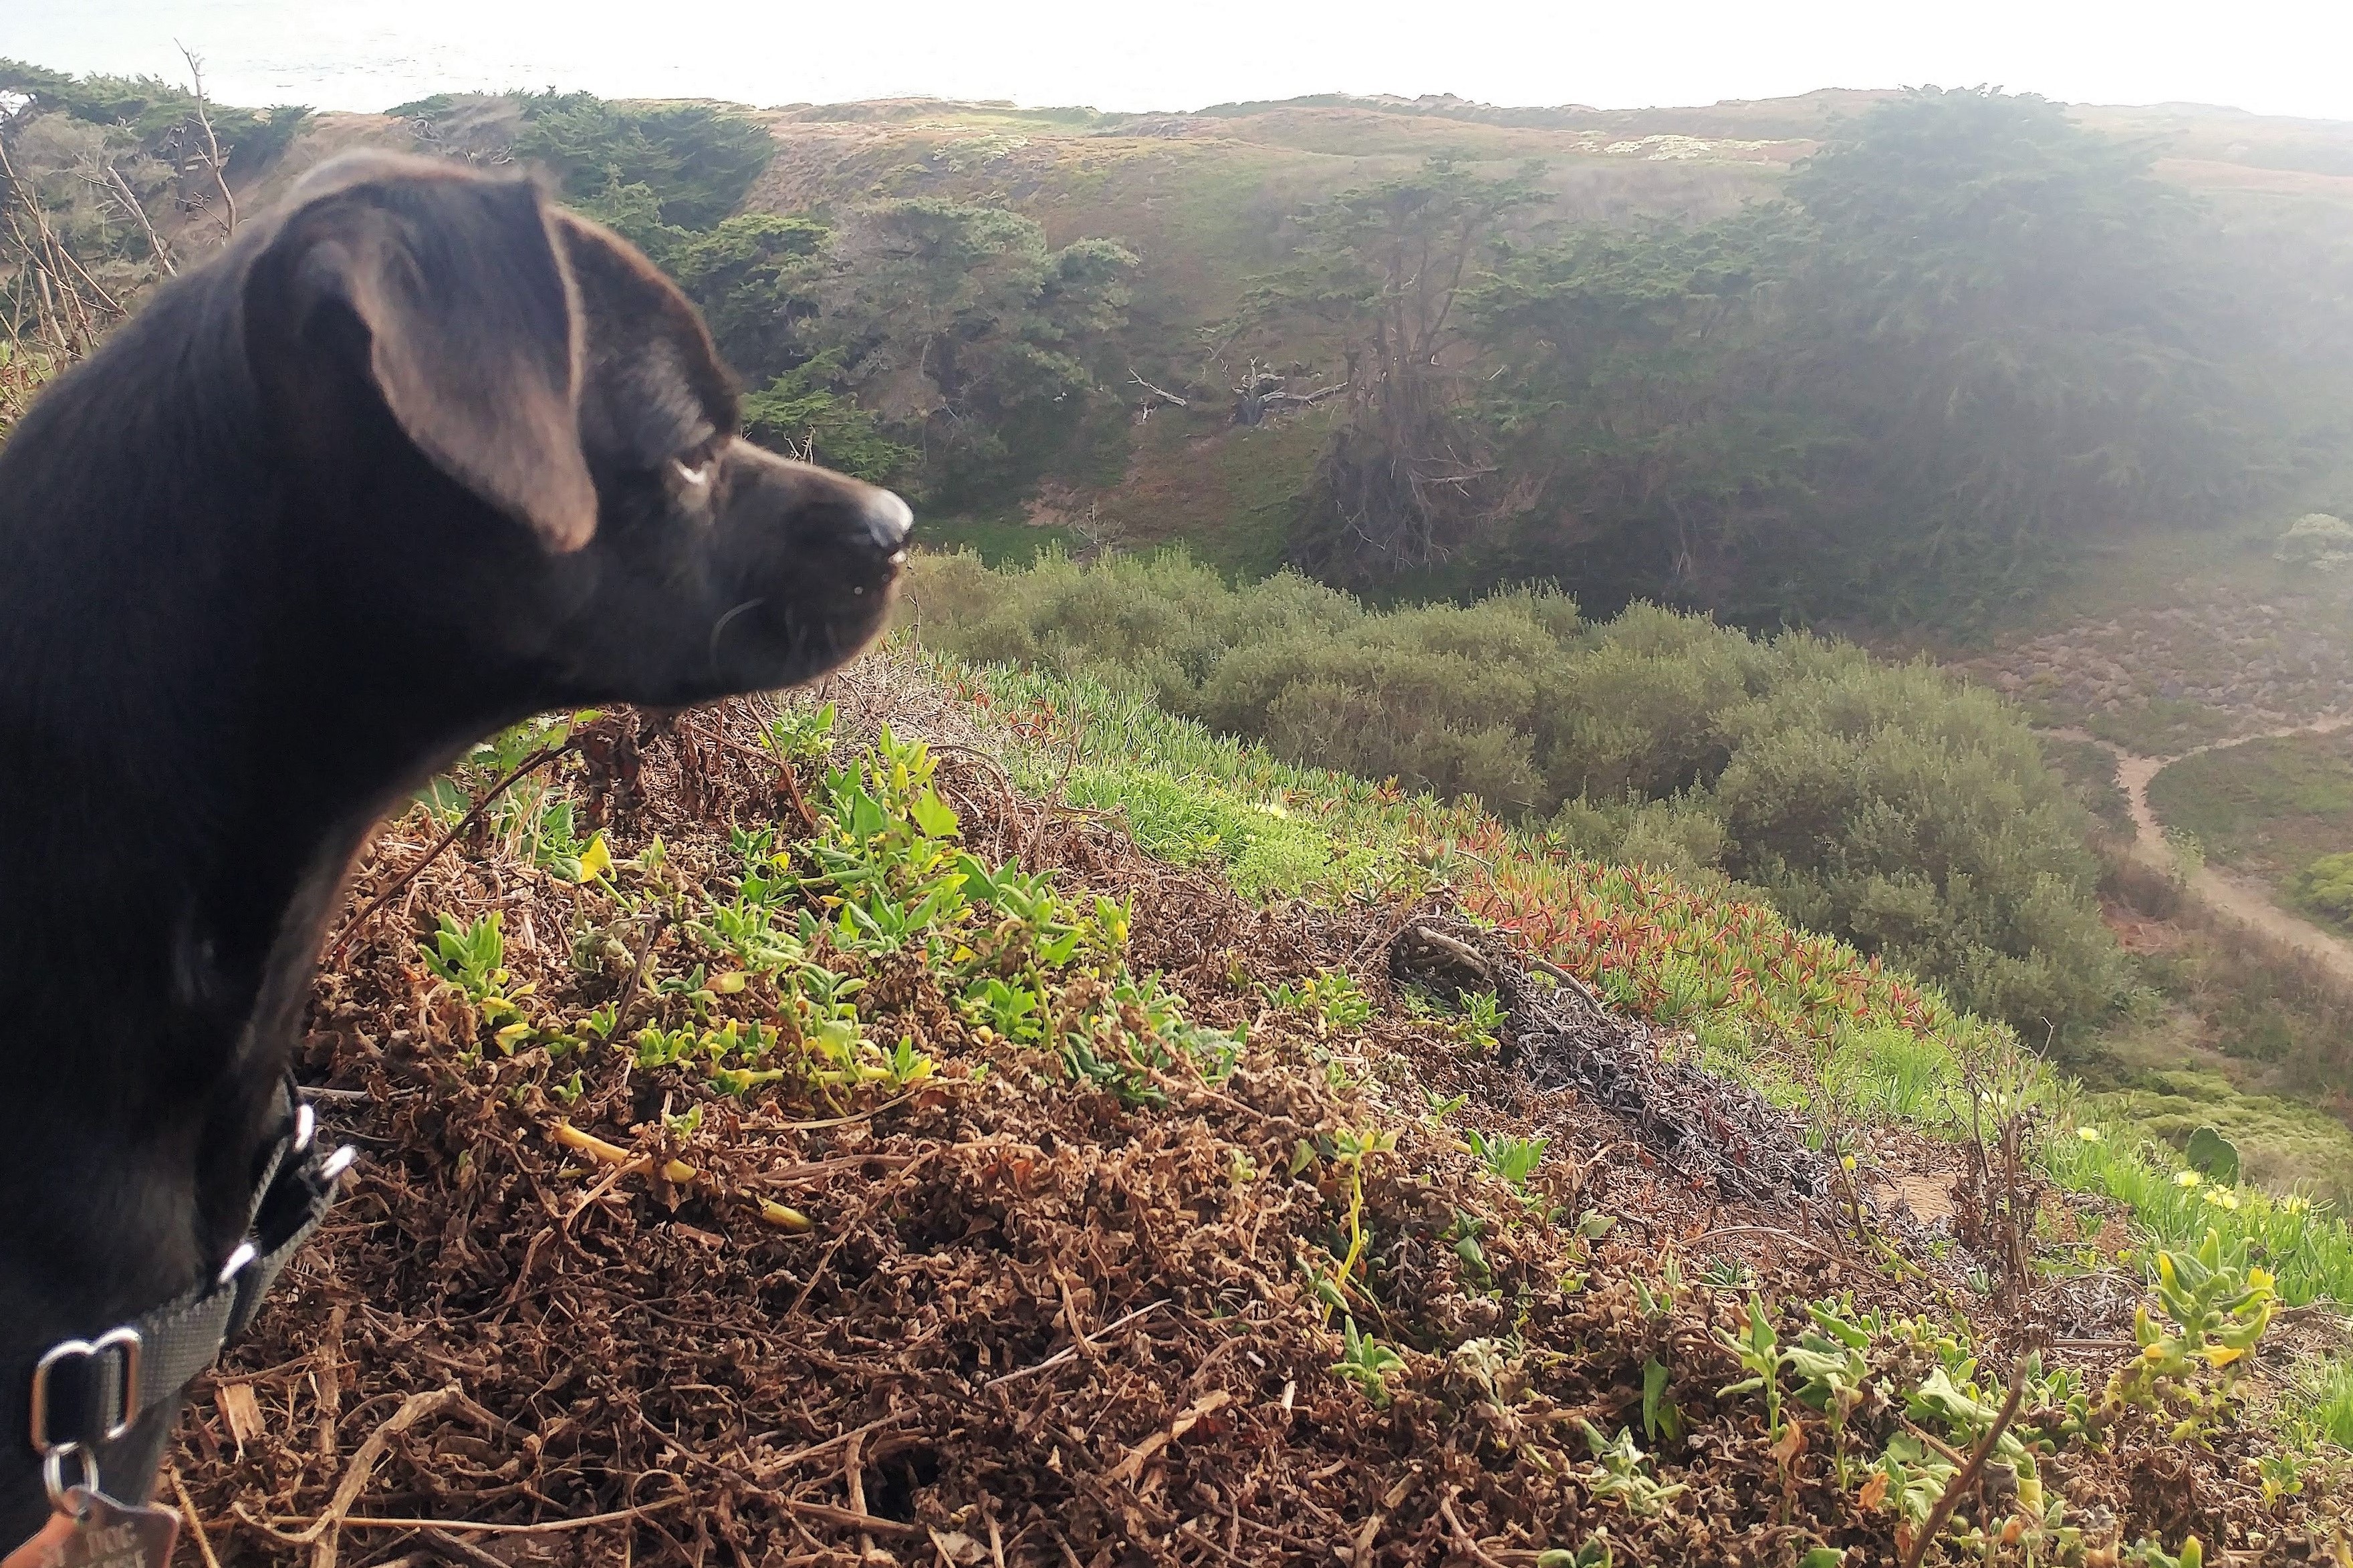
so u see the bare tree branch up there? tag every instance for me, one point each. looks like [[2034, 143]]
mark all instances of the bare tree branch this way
[[1170, 397], [204, 119], [139, 211]]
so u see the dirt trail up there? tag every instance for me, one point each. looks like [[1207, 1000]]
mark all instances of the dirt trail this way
[[2243, 899]]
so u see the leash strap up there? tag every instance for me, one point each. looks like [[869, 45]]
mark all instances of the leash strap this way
[[90, 1392]]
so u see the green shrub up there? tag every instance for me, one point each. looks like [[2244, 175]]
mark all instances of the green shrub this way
[[1885, 803], [753, 276], [2326, 887], [2317, 540], [696, 159]]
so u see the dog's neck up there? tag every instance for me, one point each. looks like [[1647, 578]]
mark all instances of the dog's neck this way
[[188, 817]]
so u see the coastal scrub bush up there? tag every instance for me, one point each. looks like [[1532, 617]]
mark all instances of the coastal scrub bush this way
[[1912, 816]]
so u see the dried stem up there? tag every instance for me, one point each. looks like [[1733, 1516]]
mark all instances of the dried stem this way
[[1966, 1476], [212, 142]]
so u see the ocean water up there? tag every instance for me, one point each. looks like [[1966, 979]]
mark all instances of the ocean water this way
[[368, 57], [2274, 57]]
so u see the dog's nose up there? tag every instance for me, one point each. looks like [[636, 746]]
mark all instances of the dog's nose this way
[[888, 522]]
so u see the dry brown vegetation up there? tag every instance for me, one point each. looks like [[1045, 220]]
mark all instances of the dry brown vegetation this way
[[991, 1314]]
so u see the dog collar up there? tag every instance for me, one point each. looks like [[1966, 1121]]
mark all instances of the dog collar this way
[[88, 1393]]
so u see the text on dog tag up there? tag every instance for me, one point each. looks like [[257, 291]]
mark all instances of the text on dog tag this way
[[99, 1532]]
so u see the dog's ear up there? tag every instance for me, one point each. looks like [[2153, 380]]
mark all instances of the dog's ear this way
[[652, 382], [473, 328]]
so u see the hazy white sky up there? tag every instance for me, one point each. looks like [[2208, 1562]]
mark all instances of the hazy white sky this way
[[2279, 56]]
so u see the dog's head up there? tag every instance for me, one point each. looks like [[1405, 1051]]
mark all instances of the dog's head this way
[[539, 417]]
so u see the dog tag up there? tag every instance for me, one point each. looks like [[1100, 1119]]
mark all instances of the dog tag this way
[[95, 1532]]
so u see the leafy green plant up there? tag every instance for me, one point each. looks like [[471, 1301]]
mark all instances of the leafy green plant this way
[[1662, 1418], [1663, 745], [1659, 1304], [1353, 1148], [1623, 1474], [2152, 1554], [1437, 1108], [470, 959], [1465, 1232], [1593, 1553], [1832, 1372], [803, 734], [1759, 1350], [2215, 1156], [2217, 1305], [1727, 1274], [1514, 1159], [1330, 997], [1367, 1363], [1483, 1020]]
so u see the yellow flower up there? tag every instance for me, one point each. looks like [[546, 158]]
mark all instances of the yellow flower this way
[[2088, 1135], [2221, 1199], [2223, 1355], [2185, 1178], [596, 860]]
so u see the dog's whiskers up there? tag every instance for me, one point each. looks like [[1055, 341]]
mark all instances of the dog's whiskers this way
[[719, 627]]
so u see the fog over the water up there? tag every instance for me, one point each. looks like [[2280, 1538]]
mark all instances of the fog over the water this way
[[2275, 57]]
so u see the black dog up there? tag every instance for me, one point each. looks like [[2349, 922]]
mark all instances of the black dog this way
[[417, 457]]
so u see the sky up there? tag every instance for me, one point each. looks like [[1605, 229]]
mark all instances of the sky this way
[[2272, 56]]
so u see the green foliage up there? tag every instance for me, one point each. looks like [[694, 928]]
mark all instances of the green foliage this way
[[800, 412], [754, 275], [2257, 1005], [1624, 1475], [1330, 997], [470, 960], [2152, 1554], [2217, 1305], [2326, 1402], [2213, 1155], [1881, 802], [1974, 334], [2236, 797], [2025, 306], [964, 332], [1367, 1363], [160, 115], [695, 160], [2308, 1251], [1628, 369], [2326, 887], [1514, 1159], [2089, 771]]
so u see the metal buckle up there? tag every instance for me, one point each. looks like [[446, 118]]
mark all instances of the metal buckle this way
[[89, 1353], [306, 1123], [336, 1164]]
